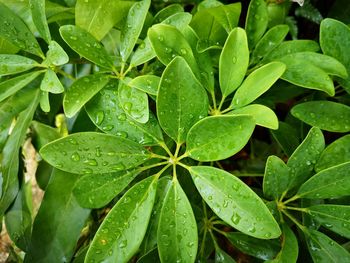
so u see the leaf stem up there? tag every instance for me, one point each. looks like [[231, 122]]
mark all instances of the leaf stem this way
[[157, 156], [221, 102], [144, 168], [163, 170], [226, 110], [214, 99], [183, 156], [178, 146], [184, 165], [300, 209], [302, 228], [293, 198], [166, 148], [65, 74]]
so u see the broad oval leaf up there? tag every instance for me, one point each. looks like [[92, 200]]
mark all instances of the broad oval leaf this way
[[91, 152], [256, 21], [37, 8], [177, 231], [234, 60], [258, 82], [12, 64], [143, 53], [336, 153], [146, 83], [166, 12], [219, 137], [56, 54], [115, 240], [234, 202], [51, 83], [86, 45], [326, 115], [331, 182], [181, 100], [81, 91]]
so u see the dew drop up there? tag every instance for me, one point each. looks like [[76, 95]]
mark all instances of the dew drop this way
[[123, 244], [75, 157], [91, 162], [122, 117], [99, 117], [235, 218]]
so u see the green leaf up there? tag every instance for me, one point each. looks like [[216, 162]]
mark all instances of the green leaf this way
[[132, 27], [10, 155], [97, 190], [62, 217], [56, 55], [12, 64], [287, 137], [264, 250], [86, 45], [258, 82], [178, 20], [262, 115], [303, 159], [326, 115], [222, 257], [134, 102], [81, 91], [167, 11], [325, 250], [37, 8], [276, 178], [181, 100], [15, 31], [51, 83], [115, 240], [256, 21], [269, 41], [333, 217], [107, 114], [336, 153], [146, 83], [331, 182], [335, 42], [226, 15], [234, 202], [219, 137], [143, 53], [91, 152], [151, 257], [289, 251], [234, 60], [99, 17], [177, 230], [45, 101]]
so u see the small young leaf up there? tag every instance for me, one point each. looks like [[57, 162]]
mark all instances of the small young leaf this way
[[331, 182], [177, 231], [181, 100], [81, 91], [258, 82], [91, 152], [146, 83], [37, 8], [121, 233], [256, 21], [56, 54], [132, 27], [86, 45], [234, 202], [45, 101], [234, 60], [51, 83], [219, 137], [333, 217], [12, 64], [326, 115]]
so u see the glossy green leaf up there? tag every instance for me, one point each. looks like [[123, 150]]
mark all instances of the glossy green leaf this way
[[324, 250], [7, 47], [37, 8], [10, 155], [269, 41], [97, 190], [98, 17], [62, 217], [81, 91], [336, 153], [178, 20], [14, 30], [132, 27], [134, 102], [56, 54], [181, 100], [12, 64], [289, 251], [91, 152], [331, 182], [264, 250], [258, 82], [86, 45], [11, 86], [234, 202], [335, 42], [167, 11], [276, 178], [333, 217], [256, 21], [219, 137], [262, 115], [115, 240], [177, 230], [143, 53], [286, 137], [43, 134], [222, 257], [45, 101], [107, 114], [51, 83], [303, 159], [146, 83], [226, 15], [326, 115], [234, 60]]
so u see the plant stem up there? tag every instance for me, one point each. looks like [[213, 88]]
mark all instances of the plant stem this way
[[157, 156], [144, 168], [214, 99], [178, 146], [304, 210], [221, 102], [293, 198], [295, 221], [163, 170], [165, 147]]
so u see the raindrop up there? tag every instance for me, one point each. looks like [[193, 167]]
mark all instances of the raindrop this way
[[108, 127], [87, 171], [98, 152], [122, 117], [234, 60], [122, 134], [123, 244], [161, 38], [128, 106], [99, 117], [118, 167], [91, 162], [235, 218], [75, 157]]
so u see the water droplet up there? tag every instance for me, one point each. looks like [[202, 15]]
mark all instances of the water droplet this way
[[235, 218], [103, 242], [98, 152], [210, 197], [183, 51], [123, 244], [87, 171], [91, 162], [118, 167], [234, 59], [252, 229], [128, 106], [73, 141], [75, 157], [108, 127], [99, 117], [122, 117], [161, 38]]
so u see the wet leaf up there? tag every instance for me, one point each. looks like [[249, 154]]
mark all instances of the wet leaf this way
[[56, 54], [286, 137], [222, 257], [12, 64], [51, 83], [146, 83], [256, 21], [37, 8]]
